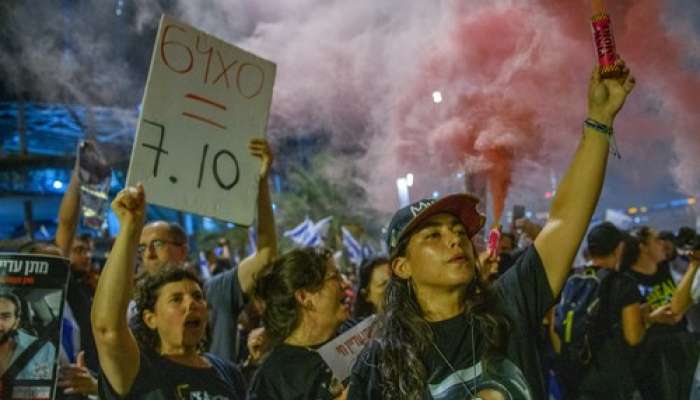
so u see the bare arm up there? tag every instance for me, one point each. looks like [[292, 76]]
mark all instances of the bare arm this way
[[266, 249], [682, 299], [116, 347], [68, 215], [578, 192], [633, 327]]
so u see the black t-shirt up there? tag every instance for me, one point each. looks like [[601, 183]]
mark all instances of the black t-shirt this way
[[609, 371], [294, 373], [525, 296], [79, 296], [160, 378], [657, 290]]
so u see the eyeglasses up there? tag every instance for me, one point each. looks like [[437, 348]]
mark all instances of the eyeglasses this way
[[157, 244]]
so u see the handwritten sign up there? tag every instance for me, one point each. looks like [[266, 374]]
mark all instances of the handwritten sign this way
[[341, 352], [204, 100], [32, 285]]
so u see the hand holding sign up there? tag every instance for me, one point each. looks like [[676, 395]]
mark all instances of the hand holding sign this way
[[77, 379], [260, 148]]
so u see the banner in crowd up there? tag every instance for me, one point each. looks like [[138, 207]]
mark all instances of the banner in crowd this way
[[341, 352], [204, 100], [32, 293]]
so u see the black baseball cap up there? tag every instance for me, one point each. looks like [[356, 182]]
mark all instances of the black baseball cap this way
[[603, 239], [406, 219]]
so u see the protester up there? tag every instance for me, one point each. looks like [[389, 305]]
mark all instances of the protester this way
[[369, 294], [617, 325], [665, 364], [446, 335], [303, 309], [163, 243], [160, 356]]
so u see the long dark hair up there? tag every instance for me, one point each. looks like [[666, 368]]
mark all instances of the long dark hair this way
[[147, 292], [405, 336], [298, 269], [363, 308], [632, 250]]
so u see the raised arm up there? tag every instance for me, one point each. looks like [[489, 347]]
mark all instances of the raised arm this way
[[578, 192], [266, 249], [116, 346], [68, 214], [682, 299]]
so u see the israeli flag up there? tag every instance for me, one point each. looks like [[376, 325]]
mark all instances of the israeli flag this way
[[367, 252], [308, 233], [299, 233], [352, 247], [252, 244]]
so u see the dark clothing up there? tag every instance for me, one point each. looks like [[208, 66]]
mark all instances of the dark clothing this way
[[226, 300], [608, 374], [666, 360], [79, 297], [294, 373], [657, 290], [524, 297], [159, 379]]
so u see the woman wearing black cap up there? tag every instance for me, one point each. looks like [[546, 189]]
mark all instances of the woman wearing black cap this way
[[443, 334]]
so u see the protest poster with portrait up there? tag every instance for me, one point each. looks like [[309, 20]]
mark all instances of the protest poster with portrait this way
[[32, 293]]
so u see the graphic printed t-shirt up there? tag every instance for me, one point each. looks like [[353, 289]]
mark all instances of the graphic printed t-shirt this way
[[525, 296], [159, 378], [294, 373], [657, 290]]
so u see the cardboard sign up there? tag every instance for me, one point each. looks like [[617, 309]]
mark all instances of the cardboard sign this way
[[204, 100], [341, 352], [32, 295]]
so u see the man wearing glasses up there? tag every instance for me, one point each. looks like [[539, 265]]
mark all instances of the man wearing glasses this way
[[164, 243], [161, 243]]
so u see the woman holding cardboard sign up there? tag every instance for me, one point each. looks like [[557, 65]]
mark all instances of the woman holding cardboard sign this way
[[157, 356]]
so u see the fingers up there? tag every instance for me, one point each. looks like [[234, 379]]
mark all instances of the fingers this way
[[130, 198], [81, 355], [595, 76], [629, 82]]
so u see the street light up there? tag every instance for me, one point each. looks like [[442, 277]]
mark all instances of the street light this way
[[402, 185]]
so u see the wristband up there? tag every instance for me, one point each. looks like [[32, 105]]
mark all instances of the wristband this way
[[606, 130]]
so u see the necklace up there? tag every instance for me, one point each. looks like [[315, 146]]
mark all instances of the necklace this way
[[471, 392]]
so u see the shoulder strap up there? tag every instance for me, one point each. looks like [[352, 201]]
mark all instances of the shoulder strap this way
[[21, 361]]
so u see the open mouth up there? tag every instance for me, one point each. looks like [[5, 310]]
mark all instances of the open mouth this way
[[193, 323]]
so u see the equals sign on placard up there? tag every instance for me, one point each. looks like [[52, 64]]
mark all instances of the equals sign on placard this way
[[208, 102]]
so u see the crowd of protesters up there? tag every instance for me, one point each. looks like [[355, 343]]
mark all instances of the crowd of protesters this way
[[452, 321]]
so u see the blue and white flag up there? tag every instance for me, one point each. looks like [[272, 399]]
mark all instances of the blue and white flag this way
[[352, 247], [299, 232], [367, 252], [252, 244], [308, 233]]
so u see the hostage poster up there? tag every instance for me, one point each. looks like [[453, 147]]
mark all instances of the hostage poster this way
[[32, 293]]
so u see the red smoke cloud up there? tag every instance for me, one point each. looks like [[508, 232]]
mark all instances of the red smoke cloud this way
[[513, 76], [520, 76]]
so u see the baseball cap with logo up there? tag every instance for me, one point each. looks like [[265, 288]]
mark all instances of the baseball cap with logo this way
[[405, 220]]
